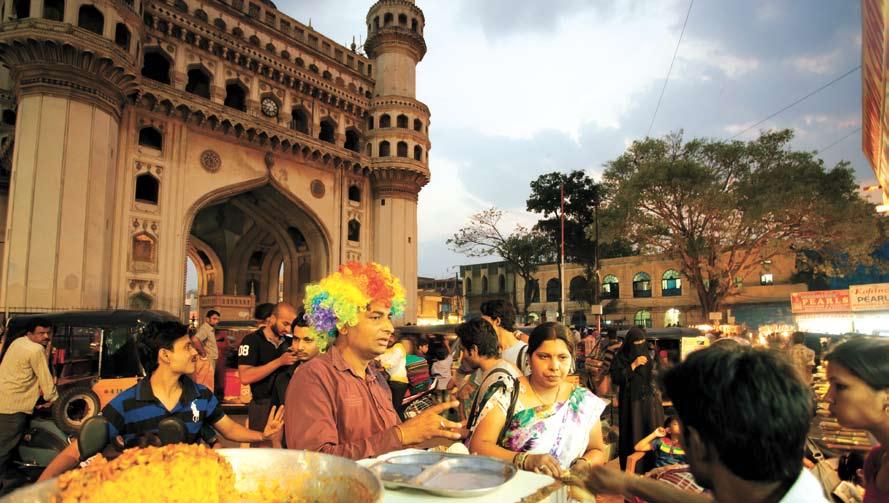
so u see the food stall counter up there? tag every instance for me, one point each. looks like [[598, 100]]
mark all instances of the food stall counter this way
[[524, 487]]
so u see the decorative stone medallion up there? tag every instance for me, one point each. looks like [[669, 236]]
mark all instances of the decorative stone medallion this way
[[317, 188], [210, 161]]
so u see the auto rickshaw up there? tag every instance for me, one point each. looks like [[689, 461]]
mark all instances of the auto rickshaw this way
[[93, 356]]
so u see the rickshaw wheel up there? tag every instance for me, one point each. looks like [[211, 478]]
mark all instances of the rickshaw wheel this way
[[74, 406]]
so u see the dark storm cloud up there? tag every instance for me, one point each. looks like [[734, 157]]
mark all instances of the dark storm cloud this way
[[775, 28]]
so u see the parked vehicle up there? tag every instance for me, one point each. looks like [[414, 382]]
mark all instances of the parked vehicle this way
[[93, 356]]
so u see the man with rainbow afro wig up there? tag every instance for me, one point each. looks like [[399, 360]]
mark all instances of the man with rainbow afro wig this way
[[337, 403]]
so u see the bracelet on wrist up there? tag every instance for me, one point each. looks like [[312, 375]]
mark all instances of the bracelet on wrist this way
[[519, 460]]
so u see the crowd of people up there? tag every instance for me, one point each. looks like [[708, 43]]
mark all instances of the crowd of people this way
[[335, 379]]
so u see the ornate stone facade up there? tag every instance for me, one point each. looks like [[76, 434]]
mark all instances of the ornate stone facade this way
[[138, 133]]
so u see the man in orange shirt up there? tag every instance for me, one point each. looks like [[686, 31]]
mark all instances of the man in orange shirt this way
[[338, 403]]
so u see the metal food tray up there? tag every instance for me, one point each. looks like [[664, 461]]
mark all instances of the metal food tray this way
[[444, 474]]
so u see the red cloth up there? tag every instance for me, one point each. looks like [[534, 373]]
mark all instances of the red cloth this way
[[871, 468], [328, 408]]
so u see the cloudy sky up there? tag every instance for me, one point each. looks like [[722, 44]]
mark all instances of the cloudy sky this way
[[522, 87]]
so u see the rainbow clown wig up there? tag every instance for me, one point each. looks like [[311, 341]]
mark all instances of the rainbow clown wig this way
[[336, 300]]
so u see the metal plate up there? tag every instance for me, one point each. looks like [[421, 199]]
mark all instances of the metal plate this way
[[444, 474], [254, 466]]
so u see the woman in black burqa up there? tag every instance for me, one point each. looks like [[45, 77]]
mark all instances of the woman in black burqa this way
[[639, 403]]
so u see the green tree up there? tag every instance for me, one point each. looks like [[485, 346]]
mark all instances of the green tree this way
[[523, 250], [721, 208], [582, 196]]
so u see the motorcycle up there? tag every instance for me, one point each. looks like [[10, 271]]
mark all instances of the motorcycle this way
[[42, 442]]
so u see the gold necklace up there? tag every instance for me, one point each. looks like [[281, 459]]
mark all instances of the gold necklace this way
[[559, 390]]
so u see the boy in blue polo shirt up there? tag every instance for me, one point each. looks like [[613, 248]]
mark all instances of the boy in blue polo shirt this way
[[133, 416]]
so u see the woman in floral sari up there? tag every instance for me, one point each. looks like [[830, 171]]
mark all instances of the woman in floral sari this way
[[554, 425]]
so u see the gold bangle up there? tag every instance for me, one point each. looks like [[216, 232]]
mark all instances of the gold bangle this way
[[519, 460]]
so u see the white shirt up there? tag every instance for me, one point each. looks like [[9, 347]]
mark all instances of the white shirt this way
[[511, 355], [806, 489]]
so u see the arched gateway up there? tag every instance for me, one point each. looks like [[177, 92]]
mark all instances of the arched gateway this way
[[167, 134], [243, 244]]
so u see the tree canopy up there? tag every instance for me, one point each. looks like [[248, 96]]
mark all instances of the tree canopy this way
[[582, 195], [522, 249], [723, 207]]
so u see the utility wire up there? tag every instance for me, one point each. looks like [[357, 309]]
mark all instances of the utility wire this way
[[825, 149], [670, 70], [816, 91]]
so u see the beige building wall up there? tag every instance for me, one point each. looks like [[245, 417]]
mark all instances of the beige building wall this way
[[396, 219], [748, 289], [60, 197], [396, 74]]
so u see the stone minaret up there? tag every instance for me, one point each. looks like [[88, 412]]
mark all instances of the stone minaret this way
[[397, 138], [73, 67]]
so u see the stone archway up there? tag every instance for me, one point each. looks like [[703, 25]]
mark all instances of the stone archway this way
[[248, 234], [209, 267]]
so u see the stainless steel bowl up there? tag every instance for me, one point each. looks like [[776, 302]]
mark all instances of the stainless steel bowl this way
[[333, 479]]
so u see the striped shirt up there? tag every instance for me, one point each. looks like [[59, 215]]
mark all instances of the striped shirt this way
[[24, 375], [137, 411]]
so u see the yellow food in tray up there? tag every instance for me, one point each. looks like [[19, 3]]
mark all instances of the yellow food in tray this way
[[181, 473], [176, 473]]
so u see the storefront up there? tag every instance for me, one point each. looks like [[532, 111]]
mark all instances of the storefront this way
[[822, 312], [870, 308], [862, 309]]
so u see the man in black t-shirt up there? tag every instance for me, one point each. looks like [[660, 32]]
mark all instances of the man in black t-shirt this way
[[261, 356]]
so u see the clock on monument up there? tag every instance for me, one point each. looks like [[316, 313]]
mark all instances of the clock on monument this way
[[269, 107]]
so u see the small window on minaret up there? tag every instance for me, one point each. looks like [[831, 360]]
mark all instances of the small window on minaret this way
[[151, 137], [147, 189], [354, 229], [354, 193]]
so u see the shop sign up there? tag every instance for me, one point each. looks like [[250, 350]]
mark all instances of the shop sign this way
[[873, 297], [825, 301]]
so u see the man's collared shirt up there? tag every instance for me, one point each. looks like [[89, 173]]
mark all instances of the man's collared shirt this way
[[207, 335], [806, 489], [330, 409], [24, 374], [137, 411]]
